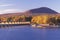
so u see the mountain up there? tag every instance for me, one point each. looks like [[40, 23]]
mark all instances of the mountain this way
[[32, 11], [15, 14], [43, 10]]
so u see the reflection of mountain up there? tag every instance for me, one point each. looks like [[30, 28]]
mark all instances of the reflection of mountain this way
[[43, 10]]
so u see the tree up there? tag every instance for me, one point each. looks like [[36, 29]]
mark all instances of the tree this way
[[28, 18], [20, 20], [3, 19], [58, 21], [9, 19], [52, 20], [36, 20], [0, 20]]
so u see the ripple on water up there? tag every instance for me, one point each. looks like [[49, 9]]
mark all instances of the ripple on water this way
[[26, 32]]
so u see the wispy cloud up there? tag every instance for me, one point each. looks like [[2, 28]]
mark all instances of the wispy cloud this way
[[3, 5], [9, 11]]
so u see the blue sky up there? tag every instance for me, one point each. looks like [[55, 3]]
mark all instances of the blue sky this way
[[9, 6]]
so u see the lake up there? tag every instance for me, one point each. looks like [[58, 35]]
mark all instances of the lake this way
[[26, 32]]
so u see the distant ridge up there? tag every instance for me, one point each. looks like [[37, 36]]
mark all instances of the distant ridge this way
[[32, 11], [43, 10]]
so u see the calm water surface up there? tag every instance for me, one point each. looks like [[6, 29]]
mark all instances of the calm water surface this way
[[26, 32]]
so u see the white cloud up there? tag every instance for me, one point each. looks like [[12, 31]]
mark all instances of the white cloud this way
[[9, 11], [3, 5]]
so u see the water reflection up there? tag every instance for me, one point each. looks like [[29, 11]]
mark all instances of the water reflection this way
[[26, 32]]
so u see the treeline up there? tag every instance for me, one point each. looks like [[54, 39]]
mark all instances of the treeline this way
[[15, 19], [54, 20]]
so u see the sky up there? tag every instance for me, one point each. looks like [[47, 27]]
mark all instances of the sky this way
[[11, 6]]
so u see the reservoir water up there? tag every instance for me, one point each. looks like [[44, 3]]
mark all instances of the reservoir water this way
[[26, 32]]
